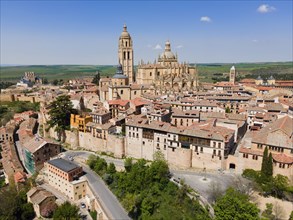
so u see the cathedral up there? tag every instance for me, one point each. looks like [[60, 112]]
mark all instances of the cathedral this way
[[166, 75]]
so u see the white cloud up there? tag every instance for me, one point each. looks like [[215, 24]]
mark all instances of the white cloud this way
[[205, 19], [265, 8], [254, 41], [158, 47], [179, 46]]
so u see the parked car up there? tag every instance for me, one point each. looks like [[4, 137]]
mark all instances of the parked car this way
[[82, 205]]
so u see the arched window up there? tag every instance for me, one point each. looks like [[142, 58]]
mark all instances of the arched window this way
[[124, 55], [126, 43], [128, 55]]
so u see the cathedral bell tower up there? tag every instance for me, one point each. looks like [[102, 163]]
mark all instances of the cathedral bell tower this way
[[125, 54], [232, 76]]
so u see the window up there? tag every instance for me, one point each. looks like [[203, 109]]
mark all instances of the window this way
[[124, 55], [134, 92], [201, 149], [143, 143], [158, 139], [215, 144], [245, 155], [214, 152], [254, 157], [126, 43], [219, 145], [121, 92], [128, 55], [129, 134], [151, 74], [259, 146]]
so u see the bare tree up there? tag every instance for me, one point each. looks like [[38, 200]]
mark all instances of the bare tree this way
[[243, 185], [215, 191], [278, 211]]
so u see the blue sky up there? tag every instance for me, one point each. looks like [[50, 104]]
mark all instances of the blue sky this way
[[87, 32]]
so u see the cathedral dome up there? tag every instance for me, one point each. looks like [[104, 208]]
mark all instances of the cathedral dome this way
[[119, 73], [167, 54], [125, 33]]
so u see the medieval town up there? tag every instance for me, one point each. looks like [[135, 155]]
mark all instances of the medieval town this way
[[206, 132]]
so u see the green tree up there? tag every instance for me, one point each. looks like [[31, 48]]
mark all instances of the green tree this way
[[291, 216], [266, 166], [66, 211], [128, 164], [235, 205], [270, 165], [279, 185], [97, 78], [55, 82], [268, 212], [111, 168], [228, 110], [45, 81], [59, 112]]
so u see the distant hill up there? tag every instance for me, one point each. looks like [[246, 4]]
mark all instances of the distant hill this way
[[208, 72]]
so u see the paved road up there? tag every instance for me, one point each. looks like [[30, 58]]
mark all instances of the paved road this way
[[198, 180], [201, 181], [107, 199]]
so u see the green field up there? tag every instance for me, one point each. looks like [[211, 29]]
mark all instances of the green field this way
[[218, 72], [207, 72], [51, 72]]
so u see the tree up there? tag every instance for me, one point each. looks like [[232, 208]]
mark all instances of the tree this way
[[235, 205], [270, 165], [55, 82], [97, 78], [268, 212], [266, 166], [59, 113], [66, 211], [215, 191], [291, 216], [228, 110], [128, 164], [45, 81], [48, 210], [279, 185], [111, 168], [278, 211]]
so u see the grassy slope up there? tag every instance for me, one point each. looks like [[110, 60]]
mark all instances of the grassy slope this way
[[206, 71]]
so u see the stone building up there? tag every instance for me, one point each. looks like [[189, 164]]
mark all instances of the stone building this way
[[181, 146], [67, 177], [167, 74]]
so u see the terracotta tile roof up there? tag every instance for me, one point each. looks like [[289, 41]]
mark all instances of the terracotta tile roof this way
[[284, 124], [118, 102], [283, 158], [19, 177], [250, 151], [139, 101]]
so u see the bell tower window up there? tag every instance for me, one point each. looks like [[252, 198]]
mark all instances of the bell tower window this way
[[124, 55]]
